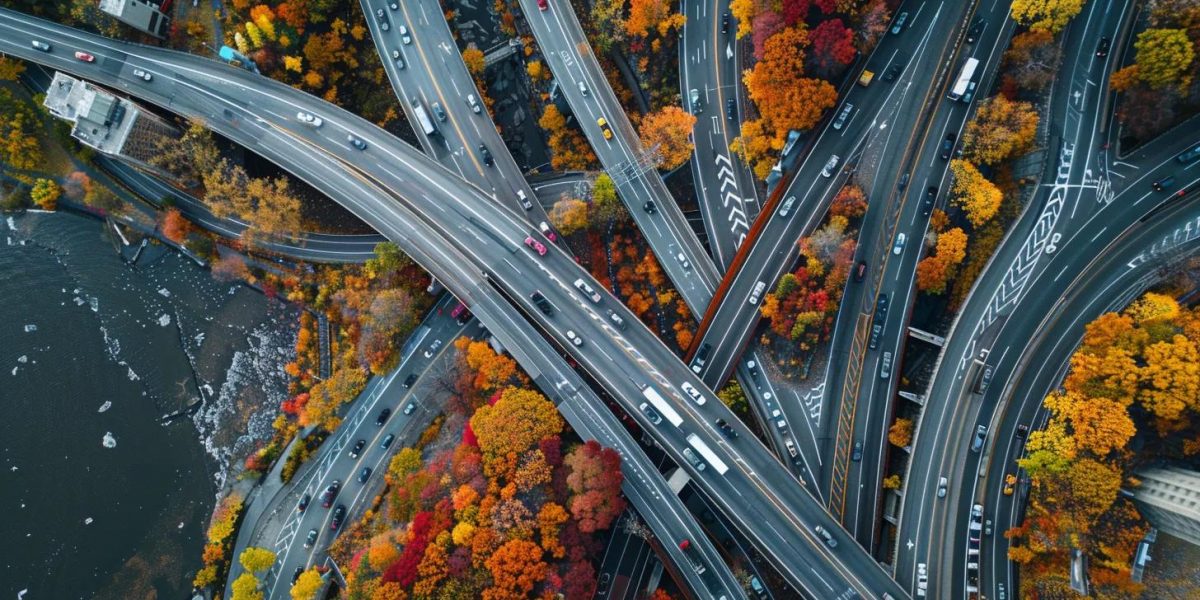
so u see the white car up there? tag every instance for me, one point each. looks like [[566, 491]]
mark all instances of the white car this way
[[574, 337], [683, 261], [693, 393], [143, 75], [899, 246], [587, 290], [309, 119], [404, 37], [830, 166]]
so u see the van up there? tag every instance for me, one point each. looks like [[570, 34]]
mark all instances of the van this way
[[473, 103], [830, 166], [980, 436], [525, 203], [756, 293], [840, 121]]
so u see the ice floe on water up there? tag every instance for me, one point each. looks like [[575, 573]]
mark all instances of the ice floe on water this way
[[103, 407], [132, 376], [164, 320], [24, 358], [164, 292], [30, 328], [88, 521], [14, 371], [108, 441]]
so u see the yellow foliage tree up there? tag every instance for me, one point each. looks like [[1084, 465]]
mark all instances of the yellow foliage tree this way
[[1047, 15], [45, 193], [972, 192], [1001, 129], [901, 432], [670, 130], [474, 59], [307, 586], [256, 560], [569, 215], [1164, 57]]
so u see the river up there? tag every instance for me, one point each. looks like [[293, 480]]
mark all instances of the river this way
[[101, 498]]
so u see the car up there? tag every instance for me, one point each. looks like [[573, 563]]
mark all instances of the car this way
[[436, 107], [980, 436], [948, 145], [830, 165], [876, 329], [987, 527], [384, 25], [383, 417], [356, 141], [357, 449], [791, 447], [785, 209], [339, 514], [650, 413], [985, 379], [296, 574], [404, 37], [379, 13], [486, 155], [885, 366], [930, 197], [40, 45], [1022, 431], [393, 6], [860, 271], [602, 584], [542, 303], [410, 407], [752, 366], [85, 57], [582, 87], [701, 358], [731, 109], [473, 103], [364, 474], [650, 207], [881, 307], [693, 393], [695, 460], [1102, 47], [387, 441], [840, 121], [433, 348], [330, 493], [756, 293], [903, 183], [525, 203], [683, 261], [574, 338], [311, 539], [604, 128], [547, 231], [543, 4], [898, 25], [1010, 483], [587, 290], [893, 73], [976, 29], [828, 537], [142, 74], [899, 245], [856, 453], [757, 587], [1164, 184], [726, 429], [396, 57], [537, 246], [694, 101], [725, 23], [616, 319], [922, 580], [410, 380], [309, 119], [302, 505], [941, 490]]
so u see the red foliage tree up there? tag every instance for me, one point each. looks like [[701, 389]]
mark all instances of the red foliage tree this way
[[174, 226], [595, 480], [766, 25], [579, 582], [404, 570], [832, 46], [794, 11], [826, 6]]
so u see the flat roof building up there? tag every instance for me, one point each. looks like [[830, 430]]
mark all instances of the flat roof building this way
[[138, 14], [1170, 499]]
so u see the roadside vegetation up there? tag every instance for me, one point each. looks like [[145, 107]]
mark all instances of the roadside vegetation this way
[[1131, 399]]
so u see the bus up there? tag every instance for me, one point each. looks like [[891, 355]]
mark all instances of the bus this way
[[964, 79], [713, 460], [656, 400]]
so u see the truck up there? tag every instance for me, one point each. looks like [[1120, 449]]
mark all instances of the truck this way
[[423, 117]]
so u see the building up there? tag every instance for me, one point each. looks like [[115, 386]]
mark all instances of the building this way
[[1170, 499], [112, 126], [138, 14]]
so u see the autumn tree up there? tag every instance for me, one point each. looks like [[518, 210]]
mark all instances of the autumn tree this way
[[1048, 15], [1171, 378], [568, 147], [473, 57], [1001, 129], [267, 205], [784, 97], [972, 192], [516, 568], [45, 193], [832, 46], [492, 371], [256, 560], [231, 267], [651, 15], [327, 397], [10, 68], [246, 587], [190, 156], [756, 146], [514, 424], [606, 206], [850, 202], [670, 131], [20, 126], [901, 432], [174, 225], [1032, 59], [733, 396], [307, 586], [1098, 425], [1164, 57], [391, 314], [934, 270], [595, 482], [569, 215]]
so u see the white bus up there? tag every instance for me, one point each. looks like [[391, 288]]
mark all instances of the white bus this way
[[964, 79], [661, 406], [713, 460]]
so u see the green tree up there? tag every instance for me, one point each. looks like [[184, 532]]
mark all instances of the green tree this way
[[734, 397], [606, 206], [1164, 57], [387, 262]]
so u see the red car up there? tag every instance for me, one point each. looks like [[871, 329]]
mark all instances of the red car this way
[[85, 57], [543, 4], [536, 245]]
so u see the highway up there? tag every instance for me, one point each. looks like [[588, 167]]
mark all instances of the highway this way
[[570, 59], [461, 236], [433, 74]]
